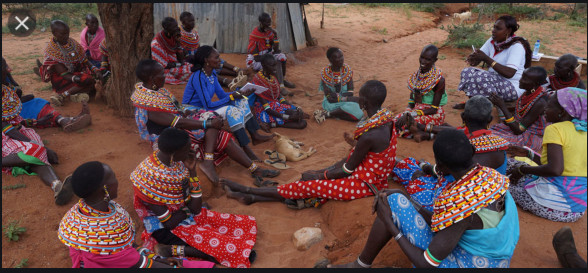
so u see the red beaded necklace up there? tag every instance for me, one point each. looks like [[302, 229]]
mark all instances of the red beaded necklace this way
[[526, 102]]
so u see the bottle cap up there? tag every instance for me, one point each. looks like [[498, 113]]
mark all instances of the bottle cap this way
[[537, 40]]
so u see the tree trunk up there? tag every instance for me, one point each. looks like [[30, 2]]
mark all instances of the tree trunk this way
[[129, 29]]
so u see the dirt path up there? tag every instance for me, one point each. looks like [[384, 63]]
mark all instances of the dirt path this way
[[359, 32]]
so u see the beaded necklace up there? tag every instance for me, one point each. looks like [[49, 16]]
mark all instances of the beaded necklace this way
[[332, 78], [381, 117], [154, 100], [485, 141], [557, 84], [159, 182], [458, 200], [102, 233], [271, 83], [209, 78], [526, 102], [424, 82]]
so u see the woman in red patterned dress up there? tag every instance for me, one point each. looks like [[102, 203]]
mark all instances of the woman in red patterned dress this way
[[361, 174], [168, 199]]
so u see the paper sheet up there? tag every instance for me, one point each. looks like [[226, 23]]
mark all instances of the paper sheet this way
[[258, 89]]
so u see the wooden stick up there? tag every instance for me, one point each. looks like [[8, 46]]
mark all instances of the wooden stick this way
[[323, 19]]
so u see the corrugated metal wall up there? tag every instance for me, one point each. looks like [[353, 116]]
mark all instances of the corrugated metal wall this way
[[231, 23]]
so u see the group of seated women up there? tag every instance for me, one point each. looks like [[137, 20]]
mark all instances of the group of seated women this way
[[458, 212]]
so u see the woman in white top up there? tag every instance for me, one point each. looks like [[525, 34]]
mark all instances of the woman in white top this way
[[506, 55]]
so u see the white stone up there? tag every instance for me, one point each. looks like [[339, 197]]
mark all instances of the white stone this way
[[305, 237]]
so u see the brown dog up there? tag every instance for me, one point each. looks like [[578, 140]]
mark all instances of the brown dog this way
[[291, 149]]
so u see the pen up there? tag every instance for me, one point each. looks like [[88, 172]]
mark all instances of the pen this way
[[473, 48]]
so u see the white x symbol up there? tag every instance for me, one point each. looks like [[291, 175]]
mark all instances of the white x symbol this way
[[21, 23]]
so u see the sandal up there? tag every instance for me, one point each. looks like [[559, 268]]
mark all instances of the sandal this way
[[274, 155], [267, 173], [80, 97], [278, 164], [259, 182], [320, 115], [303, 203], [563, 243], [238, 81], [64, 193], [57, 100], [78, 123]]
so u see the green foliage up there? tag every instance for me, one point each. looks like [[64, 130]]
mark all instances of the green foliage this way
[[22, 263], [577, 19], [516, 10], [426, 7], [12, 231], [72, 14], [464, 36], [14, 187]]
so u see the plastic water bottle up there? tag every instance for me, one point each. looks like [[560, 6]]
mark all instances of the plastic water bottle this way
[[536, 49]]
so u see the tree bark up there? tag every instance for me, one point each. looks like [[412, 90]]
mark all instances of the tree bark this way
[[129, 29]]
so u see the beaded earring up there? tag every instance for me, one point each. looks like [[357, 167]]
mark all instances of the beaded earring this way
[[107, 195]]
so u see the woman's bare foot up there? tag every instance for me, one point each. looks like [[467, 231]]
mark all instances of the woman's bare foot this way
[[353, 264], [258, 139], [265, 127], [241, 197], [207, 167], [234, 186]]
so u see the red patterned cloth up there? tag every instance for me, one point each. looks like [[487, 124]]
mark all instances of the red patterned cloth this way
[[373, 169], [485, 141], [164, 51], [227, 237], [261, 41], [72, 56]]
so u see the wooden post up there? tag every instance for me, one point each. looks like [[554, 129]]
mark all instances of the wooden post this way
[[323, 19]]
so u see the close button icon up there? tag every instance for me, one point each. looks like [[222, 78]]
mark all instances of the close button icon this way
[[22, 22]]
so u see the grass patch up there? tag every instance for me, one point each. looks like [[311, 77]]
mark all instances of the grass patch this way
[[426, 7], [22, 263], [23, 73], [577, 20], [442, 57], [14, 187], [516, 10], [12, 231], [46, 88], [382, 31], [464, 36]]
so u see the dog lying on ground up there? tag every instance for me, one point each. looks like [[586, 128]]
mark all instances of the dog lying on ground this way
[[291, 149], [464, 16]]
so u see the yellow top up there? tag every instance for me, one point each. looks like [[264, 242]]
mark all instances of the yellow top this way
[[573, 144]]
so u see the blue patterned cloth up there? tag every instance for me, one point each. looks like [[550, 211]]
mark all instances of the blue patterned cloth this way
[[416, 230]]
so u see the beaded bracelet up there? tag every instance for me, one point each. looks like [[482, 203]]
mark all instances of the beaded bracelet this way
[[435, 106], [420, 112], [509, 120], [522, 127], [345, 170], [266, 106], [282, 100], [164, 217], [7, 129], [493, 64], [231, 97], [175, 121], [325, 175]]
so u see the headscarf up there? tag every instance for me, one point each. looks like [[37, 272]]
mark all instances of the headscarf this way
[[573, 100]]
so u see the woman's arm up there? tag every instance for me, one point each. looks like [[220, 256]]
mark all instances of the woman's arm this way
[[14, 133], [364, 145], [162, 211], [166, 119], [554, 166], [520, 126]]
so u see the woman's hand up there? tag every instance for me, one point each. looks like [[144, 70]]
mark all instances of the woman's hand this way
[[479, 56], [190, 162], [514, 150], [332, 97], [497, 100], [247, 92], [384, 213]]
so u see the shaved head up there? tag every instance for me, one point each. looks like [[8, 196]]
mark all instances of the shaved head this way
[[431, 49], [58, 24]]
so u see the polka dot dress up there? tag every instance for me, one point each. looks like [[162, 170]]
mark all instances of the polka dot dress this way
[[374, 169]]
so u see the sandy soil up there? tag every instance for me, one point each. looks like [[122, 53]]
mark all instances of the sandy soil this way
[[359, 32]]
